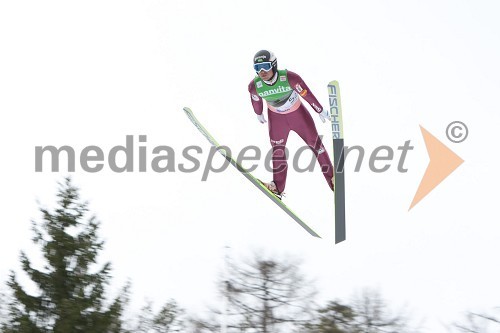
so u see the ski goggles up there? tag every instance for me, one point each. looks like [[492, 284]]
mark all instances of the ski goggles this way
[[263, 66]]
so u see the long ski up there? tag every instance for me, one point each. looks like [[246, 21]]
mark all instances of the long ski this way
[[338, 160], [248, 175]]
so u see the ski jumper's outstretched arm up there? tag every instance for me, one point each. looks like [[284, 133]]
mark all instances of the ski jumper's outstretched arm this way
[[257, 102], [301, 87]]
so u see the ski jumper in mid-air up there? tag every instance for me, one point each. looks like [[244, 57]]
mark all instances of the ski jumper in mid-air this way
[[281, 90]]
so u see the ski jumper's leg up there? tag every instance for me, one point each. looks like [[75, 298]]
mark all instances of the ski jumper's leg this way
[[278, 135], [302, 123]]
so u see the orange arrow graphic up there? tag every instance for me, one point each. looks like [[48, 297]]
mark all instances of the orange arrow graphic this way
[[442, 162]]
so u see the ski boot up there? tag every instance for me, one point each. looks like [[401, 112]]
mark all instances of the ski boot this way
[[271, 186]]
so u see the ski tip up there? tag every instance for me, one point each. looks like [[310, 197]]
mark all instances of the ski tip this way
[[186, 109], [333, 83]]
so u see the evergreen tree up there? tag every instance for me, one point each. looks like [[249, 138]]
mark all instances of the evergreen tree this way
[[70, 289], [333, 318], [169, 319], [367, 313]]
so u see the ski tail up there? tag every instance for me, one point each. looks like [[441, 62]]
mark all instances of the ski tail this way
[[338, 159]]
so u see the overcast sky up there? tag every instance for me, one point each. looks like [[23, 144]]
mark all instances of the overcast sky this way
[[93, 72]]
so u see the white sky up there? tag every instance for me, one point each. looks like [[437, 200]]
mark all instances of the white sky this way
[[90, 73]]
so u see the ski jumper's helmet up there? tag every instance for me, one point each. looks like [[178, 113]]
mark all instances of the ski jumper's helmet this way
[[265, 60]]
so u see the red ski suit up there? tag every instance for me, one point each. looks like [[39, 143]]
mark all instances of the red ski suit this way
[[297, 119]]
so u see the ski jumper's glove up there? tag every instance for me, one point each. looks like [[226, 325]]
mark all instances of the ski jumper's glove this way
[[261, 118], [324, 115]]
